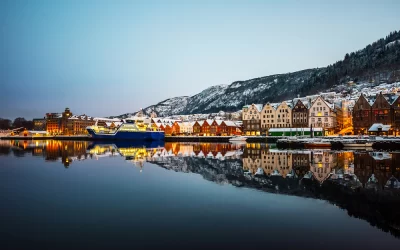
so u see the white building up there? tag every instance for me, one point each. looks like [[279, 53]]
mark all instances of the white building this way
[[186, 127], [322, 115]]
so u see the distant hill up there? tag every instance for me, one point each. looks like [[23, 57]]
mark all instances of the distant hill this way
[[377, 62]]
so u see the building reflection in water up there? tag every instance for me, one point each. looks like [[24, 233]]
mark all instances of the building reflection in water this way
[[364, 183], [377, 170], [374, 170]]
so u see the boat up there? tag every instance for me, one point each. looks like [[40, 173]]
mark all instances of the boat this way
[[357, 143], [317, 143], [127, 130], [238, 139]]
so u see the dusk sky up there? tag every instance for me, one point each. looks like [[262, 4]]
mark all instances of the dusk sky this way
[[106, 58]]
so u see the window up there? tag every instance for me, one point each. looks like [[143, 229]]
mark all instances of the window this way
[[326, 113]]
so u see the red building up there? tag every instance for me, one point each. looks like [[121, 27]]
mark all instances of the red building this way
[[206, 128]]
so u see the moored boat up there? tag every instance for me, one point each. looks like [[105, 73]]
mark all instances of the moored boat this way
[[317, 143], [357, 143], [238, 139], [128, 130]]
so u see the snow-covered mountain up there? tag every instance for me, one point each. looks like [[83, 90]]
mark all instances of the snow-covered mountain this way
[[377, 62]]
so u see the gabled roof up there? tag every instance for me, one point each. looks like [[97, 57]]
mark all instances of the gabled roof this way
[[209, 121], [200, 123], [230, 124], [330, 105], [219, 122], [390, 98], [379, 127], [259, 107]]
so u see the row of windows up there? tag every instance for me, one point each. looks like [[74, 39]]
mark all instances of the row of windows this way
[[300, 120], [276, 126], [319, 108], [319, 119], [319, 114]]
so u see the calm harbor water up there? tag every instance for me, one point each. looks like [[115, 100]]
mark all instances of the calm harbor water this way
[[76, 194]]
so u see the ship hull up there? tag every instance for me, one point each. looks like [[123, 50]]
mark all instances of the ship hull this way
[[124, 135]]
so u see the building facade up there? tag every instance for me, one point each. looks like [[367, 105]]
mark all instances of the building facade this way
[[64, 121], [268, 116], [39, 124], [76, 125], [322, 115], [251, 116], [283, 116], [53, 123], [361, 116], [381, 110], [300, 115], [344, 120]]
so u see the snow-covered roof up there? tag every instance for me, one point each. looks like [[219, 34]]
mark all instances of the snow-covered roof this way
[[219, 122], [259, 107], [209, 121], [390, 98], [376, 127], [230, 124]]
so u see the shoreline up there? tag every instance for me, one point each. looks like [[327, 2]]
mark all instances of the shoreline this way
[[259, 139]]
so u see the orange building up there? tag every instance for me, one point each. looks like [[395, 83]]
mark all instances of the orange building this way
[[53, 123], [176, 130], [168, 129]]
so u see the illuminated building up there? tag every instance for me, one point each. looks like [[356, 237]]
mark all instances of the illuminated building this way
[[76, 125], [383, 109], [343, 116], [322, 115], [64, 121], [39, 124], [251, 116], [53, 123]]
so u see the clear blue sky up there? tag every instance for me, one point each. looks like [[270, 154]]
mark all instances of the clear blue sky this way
[[111, 57]]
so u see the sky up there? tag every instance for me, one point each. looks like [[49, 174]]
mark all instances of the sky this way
[[105, 57]]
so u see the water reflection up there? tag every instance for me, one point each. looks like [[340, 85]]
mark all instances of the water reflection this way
[[378, 170], [364, 183]]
